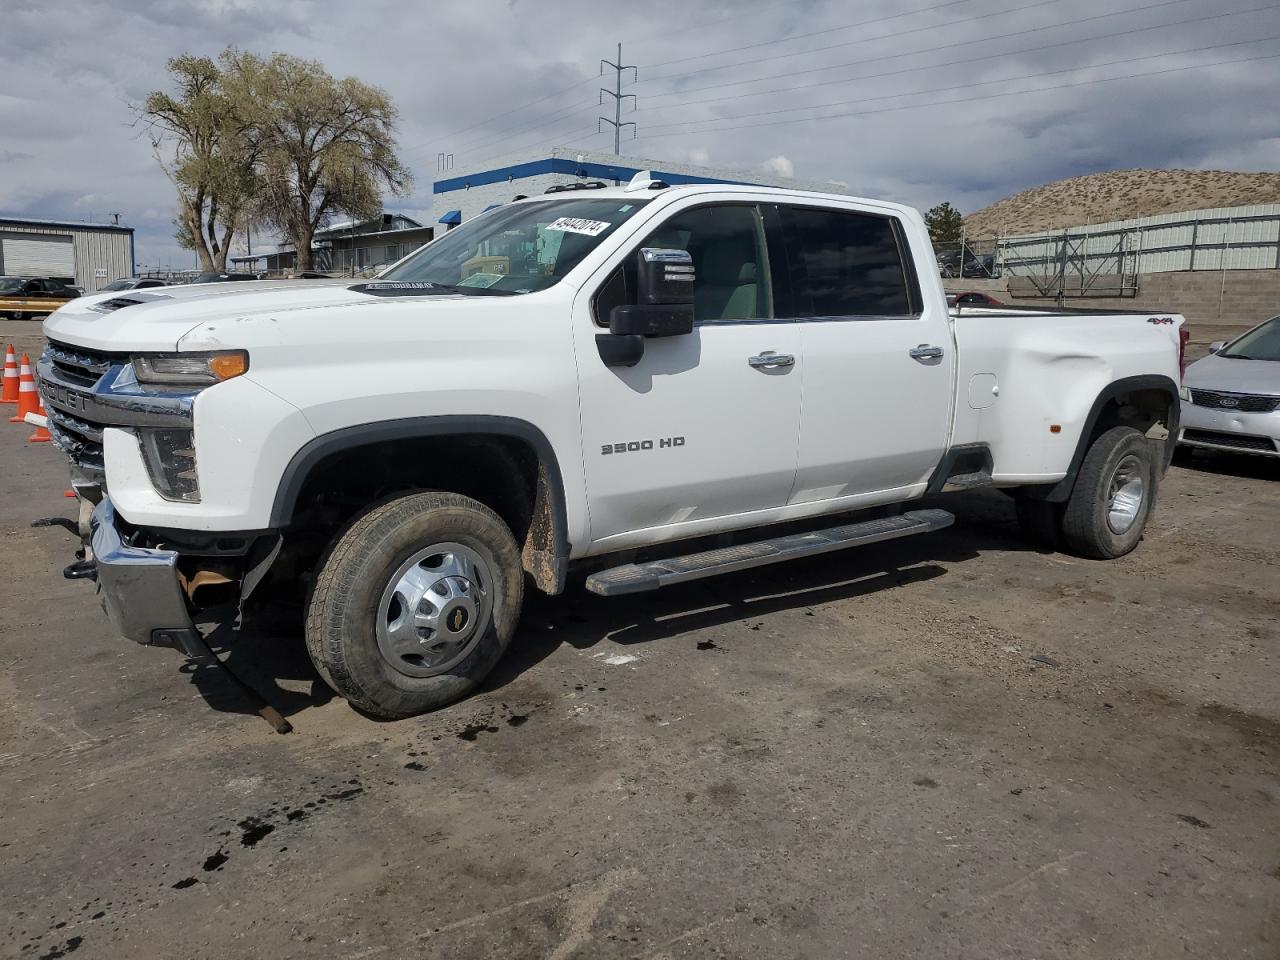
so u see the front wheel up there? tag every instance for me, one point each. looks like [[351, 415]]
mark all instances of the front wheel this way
[[1113, 496], [415, 603]]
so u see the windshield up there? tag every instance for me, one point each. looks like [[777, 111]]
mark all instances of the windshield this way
[[10, 284], [1260, 343], [518, 248], [116, 285]]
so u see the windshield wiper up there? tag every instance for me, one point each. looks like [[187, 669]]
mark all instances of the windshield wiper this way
[[1240, 356], [425, 288], [475, 291]]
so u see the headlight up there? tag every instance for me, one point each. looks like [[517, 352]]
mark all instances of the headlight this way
[[191, 369], [1184, 393]]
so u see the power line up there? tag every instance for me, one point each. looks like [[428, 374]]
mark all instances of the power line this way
[[493, 137], [853, 43], [962, 60], [488, 139], [945, 46], [507, 113], [814, 33], [990, 96], [983, 83], [505, 134]]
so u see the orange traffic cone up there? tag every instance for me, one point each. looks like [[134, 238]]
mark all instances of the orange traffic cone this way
[[41, 434], [28, 399], [9, 393]]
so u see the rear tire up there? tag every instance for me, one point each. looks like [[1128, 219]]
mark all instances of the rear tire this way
[[1113, 496], [415, 603]]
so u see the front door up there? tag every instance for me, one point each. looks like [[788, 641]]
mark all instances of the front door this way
[[700, 435], [878, 361]]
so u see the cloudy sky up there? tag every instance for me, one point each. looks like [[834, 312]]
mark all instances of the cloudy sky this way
[[967, 100]]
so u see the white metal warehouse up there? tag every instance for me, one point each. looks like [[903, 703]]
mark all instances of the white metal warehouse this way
[[86, 255]]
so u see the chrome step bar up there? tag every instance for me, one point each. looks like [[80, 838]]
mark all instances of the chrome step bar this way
[[640, 577]]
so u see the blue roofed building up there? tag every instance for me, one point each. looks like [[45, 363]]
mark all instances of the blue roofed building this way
[[460, 196]]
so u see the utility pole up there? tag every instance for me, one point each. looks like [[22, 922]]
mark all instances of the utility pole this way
[[618, 96]]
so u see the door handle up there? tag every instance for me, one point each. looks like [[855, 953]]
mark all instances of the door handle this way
[[925, 352], [763, 361]]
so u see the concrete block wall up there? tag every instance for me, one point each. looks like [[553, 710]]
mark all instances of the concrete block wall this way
[[1214, 310]]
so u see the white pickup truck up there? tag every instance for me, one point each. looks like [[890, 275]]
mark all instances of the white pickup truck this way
[[647, 383]]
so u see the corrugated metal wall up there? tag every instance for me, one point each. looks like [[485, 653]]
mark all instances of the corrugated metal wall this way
[[1230, 238], [101, 255]]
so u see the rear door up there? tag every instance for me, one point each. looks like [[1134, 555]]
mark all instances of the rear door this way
[[700, 435], [878, 359]]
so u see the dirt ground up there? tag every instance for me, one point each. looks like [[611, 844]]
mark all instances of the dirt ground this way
[[948, 746]]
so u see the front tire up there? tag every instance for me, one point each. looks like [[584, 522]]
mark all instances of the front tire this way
[[415, 603], [1113, 496]]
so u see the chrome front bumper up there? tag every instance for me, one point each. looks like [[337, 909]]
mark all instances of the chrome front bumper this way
[[139, 587]]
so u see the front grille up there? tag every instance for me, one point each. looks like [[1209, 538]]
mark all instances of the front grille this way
[[81, 366], [83, 451], [1235, 441], [79, 438], [1244, 402]]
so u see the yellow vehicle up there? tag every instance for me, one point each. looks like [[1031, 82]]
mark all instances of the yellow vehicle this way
[[25, 298]]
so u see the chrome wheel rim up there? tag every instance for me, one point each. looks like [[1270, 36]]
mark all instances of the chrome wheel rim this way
[[434, 609], [1128, 489]]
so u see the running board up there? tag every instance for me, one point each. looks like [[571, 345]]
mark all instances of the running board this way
[[639, 577]]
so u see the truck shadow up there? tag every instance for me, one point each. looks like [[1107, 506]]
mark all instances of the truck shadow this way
[[268, 653], [984, 521]]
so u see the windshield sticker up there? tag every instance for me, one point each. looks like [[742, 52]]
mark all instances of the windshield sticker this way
[[481, 280], [589, 228]]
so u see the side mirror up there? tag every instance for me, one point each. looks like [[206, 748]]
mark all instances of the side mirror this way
[[664, 280], [1217, 345]]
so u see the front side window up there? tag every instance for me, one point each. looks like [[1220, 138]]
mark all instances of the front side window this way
[[730, 264], [846, 264], [519, 248]]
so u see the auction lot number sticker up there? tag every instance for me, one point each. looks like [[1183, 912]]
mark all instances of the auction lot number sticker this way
[[590, 228]]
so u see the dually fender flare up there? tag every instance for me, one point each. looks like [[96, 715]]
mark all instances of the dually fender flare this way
[[550, 481], [1061, 491]]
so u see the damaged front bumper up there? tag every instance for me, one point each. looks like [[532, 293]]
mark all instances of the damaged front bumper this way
[[140, 587]]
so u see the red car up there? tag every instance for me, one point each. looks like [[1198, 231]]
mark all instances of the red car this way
[[972, 299]]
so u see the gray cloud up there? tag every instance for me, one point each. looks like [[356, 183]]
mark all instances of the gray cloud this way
[[466, 78]]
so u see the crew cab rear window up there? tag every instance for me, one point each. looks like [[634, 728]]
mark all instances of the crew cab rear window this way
[[845, 264]]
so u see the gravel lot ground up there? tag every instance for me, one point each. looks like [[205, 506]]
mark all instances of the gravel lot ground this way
[[949, 746]]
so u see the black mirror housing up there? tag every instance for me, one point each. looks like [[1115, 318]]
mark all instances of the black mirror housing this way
[[651, 320], [664, 276], [664, 281]]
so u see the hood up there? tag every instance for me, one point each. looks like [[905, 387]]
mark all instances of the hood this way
[[1234, 376], [157, 318]]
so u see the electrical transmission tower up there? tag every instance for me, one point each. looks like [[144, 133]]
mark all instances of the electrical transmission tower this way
[[618, 96]]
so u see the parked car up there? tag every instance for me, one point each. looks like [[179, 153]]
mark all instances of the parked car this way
[[31, 297], [133, 283], [1231, 398], [974, 265], [222, 277], [626, 377], [972, 298]]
